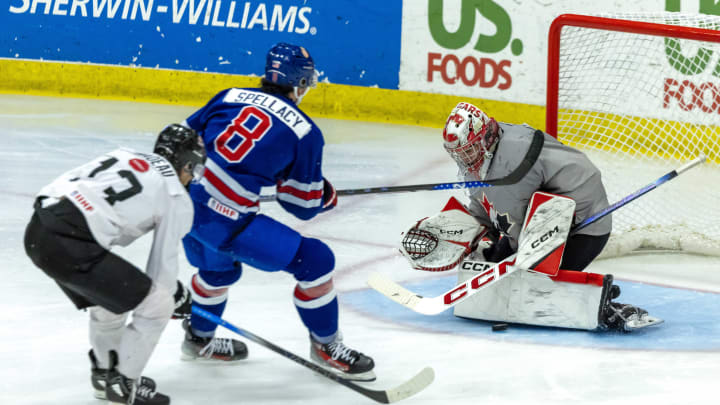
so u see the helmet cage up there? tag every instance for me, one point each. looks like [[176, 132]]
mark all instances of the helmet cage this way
[[469, 156]]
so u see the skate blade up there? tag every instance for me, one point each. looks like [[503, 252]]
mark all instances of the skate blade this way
[[367, 376], [205, 360], [639, 323], [99, 394]]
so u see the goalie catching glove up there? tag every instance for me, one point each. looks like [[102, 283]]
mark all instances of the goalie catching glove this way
[[441, 242], [183, 302]]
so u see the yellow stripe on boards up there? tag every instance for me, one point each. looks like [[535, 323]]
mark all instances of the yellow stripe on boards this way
[[628, 135], [166, 86]]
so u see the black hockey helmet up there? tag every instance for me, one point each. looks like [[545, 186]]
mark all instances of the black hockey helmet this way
[[183, 148]]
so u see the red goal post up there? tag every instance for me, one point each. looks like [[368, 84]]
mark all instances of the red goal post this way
[[640, 92]]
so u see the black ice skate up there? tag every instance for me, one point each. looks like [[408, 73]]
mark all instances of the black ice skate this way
[[214, 349], [342, 360], [121, 390], [621, 317], [98, 378]]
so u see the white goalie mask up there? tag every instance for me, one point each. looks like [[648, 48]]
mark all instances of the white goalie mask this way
[[441, 242], [470, 137]]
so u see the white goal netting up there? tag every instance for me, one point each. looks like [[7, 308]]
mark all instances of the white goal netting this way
[[641, 105]]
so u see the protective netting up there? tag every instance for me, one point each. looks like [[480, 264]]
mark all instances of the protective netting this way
[[641, 105]]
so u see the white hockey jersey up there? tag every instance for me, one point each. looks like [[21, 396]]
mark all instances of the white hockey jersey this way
[[123, 195]]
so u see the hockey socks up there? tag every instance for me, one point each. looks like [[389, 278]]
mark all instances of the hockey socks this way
[[318, 309], [210, 297]]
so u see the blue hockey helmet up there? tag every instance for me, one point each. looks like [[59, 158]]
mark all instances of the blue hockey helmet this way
[[290, 65]]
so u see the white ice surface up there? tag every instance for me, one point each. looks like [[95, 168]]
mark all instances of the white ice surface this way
[[43, 339]]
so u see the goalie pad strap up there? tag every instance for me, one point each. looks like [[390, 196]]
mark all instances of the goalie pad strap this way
[[579, 277]]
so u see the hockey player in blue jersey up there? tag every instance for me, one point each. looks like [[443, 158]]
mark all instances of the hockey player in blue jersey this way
[[257, 138]]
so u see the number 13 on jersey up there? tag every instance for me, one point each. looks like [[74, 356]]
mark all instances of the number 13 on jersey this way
[[260, 124]]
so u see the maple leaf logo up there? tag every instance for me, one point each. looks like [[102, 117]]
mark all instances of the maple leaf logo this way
[[500, 221]]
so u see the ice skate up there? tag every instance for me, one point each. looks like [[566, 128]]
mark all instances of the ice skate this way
[[622, 317], [342, 360], [98, 378], [211, 348], [121, 390]]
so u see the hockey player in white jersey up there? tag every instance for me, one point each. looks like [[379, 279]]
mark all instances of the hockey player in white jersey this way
[[529, 161], [111, 201]]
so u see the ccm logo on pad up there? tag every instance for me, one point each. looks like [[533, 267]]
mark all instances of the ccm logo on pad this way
[[545, 237]]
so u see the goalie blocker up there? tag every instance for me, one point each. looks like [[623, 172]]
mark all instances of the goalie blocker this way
[[542, 295]]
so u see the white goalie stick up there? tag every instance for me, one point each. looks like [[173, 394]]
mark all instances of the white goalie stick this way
[[407, 389], [526, 257]]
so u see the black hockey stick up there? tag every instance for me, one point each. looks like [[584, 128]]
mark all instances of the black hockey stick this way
[[404, 390], [512, 178]]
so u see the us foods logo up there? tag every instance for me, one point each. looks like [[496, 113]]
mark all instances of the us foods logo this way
[[691, 93], [480, 71]]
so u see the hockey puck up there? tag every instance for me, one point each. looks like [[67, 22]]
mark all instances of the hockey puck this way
[[499, 327]]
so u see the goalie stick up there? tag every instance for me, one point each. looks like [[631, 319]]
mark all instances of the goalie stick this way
[[512, 178], [438, 304], [411, 387]]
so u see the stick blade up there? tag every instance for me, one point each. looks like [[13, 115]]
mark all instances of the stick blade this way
[[393, 290], [411, 387]]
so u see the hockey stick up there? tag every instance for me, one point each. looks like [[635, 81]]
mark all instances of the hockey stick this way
[[436, 305], [398, 189], [402, 391], [512, 178]]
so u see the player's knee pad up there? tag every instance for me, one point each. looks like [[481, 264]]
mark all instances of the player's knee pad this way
[[313, 269], [211, 287], [313, 260], [157, 305]]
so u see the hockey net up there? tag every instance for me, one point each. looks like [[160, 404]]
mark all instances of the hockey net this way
[[640, 95]]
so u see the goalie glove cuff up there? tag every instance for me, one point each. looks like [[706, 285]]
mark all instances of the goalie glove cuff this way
[[183, 302]]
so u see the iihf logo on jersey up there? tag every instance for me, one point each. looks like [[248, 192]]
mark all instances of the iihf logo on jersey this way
[[500, 221], [81, 201]]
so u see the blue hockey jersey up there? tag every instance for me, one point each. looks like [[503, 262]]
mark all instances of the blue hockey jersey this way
[[254, 140]]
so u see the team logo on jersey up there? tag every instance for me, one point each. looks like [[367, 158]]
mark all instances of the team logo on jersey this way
[[501, 222], [82, 202], [222, 209], [139, 165]]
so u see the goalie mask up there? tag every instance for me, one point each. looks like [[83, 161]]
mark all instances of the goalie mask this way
[[470, 137], [441, 242]]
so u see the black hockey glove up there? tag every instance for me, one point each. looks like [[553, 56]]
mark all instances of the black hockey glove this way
[[183, 302], [498, 250], [329, 197]]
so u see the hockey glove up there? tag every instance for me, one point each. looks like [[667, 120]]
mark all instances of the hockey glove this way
[[329, 197], [183, 302], [498, 250]]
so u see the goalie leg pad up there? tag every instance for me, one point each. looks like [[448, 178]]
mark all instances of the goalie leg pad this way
[[569, 300]]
